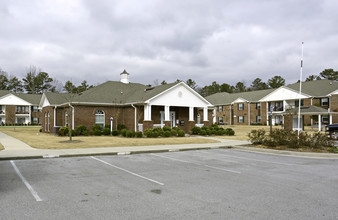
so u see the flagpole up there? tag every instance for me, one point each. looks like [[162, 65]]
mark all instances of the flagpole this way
[[300, 88]]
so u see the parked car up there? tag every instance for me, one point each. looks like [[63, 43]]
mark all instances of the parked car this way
[[332, 130]]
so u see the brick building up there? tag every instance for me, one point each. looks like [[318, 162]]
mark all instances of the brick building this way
[[19, 108], [136, 106], [255, 107]]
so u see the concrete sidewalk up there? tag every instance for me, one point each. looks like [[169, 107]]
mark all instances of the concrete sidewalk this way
[[16, 149]]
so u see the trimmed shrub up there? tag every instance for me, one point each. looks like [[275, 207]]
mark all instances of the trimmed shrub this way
[[203, 132], [181, 133], [229, 131], [124, 132], [81, 130], [63, 131], [173, 133], [139, 134], [106, 131], [155, 134], [167, 134], [115, 133], [148, 133], [97, 132], [166, 128], [121, 127], [130, 134], [195, 130], [97, 127]]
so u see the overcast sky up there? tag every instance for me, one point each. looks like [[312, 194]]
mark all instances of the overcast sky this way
[[205, 40]]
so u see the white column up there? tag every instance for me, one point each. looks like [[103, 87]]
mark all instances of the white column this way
[[205, 114], [30, 114], [267, 113], [214, 116], [54, 116], [166, 113], [319, 122], [73, 118], [147, 112], [330, 119], [230, 115], [191, 113]]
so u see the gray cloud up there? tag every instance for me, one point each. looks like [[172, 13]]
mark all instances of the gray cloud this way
[[223, 41]]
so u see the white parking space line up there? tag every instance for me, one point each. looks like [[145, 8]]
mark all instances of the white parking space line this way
[[199, 164], [30, 188], [127, 171], [265, 161]]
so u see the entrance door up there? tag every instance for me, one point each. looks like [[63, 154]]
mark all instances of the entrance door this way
[[172, 119]]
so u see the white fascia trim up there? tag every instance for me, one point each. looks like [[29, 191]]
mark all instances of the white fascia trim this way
[[282, 87], [239, 100], [9, 94], [186, 86]]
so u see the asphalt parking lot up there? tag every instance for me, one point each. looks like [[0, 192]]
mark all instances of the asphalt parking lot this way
[[204, 184]]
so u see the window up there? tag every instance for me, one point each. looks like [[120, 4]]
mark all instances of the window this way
[[99, 118], [21, 110], [35, 120], [220, 108], [45, 121], [35, 108], [258, 119], [66, 119], [325, 119], [258, 105], [324, 101], [301, 103], [240, 119], [220, 120], [48, 121], [241, 106], [198, 118]]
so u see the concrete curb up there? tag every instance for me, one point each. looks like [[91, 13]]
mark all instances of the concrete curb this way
[[110, 153]]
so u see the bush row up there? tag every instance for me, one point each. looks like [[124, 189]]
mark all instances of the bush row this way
[[164, 132], [280, 137], [212, 130]]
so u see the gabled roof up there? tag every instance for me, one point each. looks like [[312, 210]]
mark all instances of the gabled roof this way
[[309, 110], [59, 98], [121, 93], [31, 98], [227, 98], [4, 92], [316, 88]]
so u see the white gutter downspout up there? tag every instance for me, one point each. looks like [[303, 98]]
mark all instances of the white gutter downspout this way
[[55, 116], [132, 105]]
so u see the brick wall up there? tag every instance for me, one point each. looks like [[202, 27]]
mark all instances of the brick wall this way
[[10, 114]]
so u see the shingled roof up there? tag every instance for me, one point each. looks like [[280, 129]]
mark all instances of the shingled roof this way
[[111, 92], [227, 98], [316, 88]]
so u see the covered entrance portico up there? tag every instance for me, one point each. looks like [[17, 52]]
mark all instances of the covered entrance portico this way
[[291, 117], [179, 106]]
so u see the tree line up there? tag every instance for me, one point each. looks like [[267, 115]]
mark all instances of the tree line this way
[[256, 84], [37, 82]]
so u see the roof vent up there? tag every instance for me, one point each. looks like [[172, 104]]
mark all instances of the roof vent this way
[[148, 89], [124, 77]]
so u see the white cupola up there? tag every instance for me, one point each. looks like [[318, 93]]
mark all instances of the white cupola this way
[[124, 77]]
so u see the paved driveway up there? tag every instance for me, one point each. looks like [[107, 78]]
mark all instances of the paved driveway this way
[[204, 184]]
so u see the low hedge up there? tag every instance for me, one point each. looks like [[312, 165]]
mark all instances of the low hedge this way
[[212, 130]]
